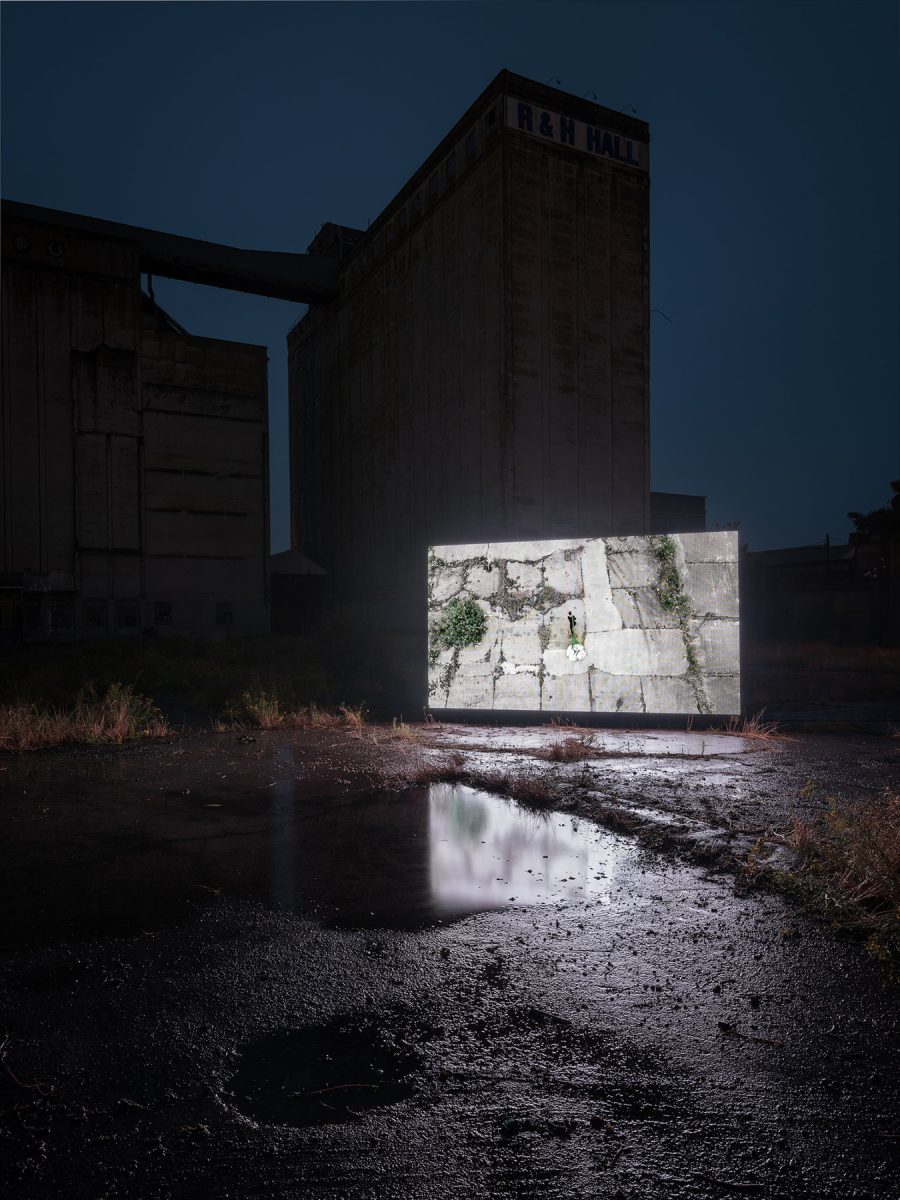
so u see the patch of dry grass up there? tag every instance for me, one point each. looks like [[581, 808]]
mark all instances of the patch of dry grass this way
[[751, 727], [848, 868], [259, 709], [531, 788], [398, 731], [570, 749], [116, 716]]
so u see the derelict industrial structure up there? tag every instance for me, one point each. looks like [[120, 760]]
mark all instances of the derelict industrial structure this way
[[474, 366], [483, 372]]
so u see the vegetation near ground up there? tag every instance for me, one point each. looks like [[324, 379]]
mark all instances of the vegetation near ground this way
[[258, 709], [50, 693], [118, 714], [846, 867]]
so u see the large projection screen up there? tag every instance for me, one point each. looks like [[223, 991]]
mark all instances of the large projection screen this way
[[621, 624]]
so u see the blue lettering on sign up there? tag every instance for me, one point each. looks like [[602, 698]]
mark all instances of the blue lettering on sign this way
[[594, 140]]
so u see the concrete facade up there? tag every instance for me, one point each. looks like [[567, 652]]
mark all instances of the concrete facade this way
[[483, 373], [134, 490]]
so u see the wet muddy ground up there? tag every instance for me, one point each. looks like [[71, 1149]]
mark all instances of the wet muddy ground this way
[[266, 969]]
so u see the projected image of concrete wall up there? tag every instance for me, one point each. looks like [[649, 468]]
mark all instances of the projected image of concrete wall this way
[[621, 624]]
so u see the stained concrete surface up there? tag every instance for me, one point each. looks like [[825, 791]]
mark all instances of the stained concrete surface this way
[[655, 620], [202, 936]]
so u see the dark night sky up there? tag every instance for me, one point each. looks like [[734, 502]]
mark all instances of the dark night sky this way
[[775, 192]]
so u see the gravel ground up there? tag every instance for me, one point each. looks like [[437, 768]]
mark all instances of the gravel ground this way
[[233, 969]]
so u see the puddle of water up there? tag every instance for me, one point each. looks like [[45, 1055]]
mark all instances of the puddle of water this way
[[117, 859], [322, 1074], [426, 855], [485, 852]]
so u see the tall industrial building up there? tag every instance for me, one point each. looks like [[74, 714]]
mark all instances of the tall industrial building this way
[[133, 456], [483, 372]]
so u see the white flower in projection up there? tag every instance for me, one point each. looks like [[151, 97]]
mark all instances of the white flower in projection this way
[[575, 652]]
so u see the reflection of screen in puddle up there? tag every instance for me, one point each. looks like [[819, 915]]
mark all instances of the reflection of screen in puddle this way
[[487, 852], [643, 624]]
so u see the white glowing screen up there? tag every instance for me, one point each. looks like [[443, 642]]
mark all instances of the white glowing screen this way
[[628, 624]]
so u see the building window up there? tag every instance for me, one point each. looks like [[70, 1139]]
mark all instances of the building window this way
[[417, 206], [491, 117], [10, 608], [162, 612], [451, 168], [434, 186], [62, 616], [471, 146], [403, 219], [95, 616], [126, 614], [224, 612], [32, 607]]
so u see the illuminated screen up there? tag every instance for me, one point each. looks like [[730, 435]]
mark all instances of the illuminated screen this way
[[627, 624]]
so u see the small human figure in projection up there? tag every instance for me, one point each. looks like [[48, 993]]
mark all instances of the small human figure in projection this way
[[575, 650]]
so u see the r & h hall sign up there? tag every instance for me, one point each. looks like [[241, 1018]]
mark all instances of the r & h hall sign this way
[[567, 131]]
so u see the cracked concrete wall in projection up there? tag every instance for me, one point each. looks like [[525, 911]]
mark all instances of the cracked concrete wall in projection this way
[[657, 616]]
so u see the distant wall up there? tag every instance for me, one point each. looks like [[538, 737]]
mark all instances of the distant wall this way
[[673, 512], [842, 594]]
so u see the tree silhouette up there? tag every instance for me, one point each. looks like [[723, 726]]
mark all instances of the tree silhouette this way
[[880, 520]]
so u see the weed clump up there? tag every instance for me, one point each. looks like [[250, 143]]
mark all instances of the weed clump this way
[[668, 583], [402, 730], [570, 749], [464, 624], [752, 727], [674, 599], [118, 714], [530, 788], [848, 869], [263, 709]]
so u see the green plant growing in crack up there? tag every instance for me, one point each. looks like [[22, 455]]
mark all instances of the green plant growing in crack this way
[[434, 649], [669, 588], [674, 599], [464, 624]]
